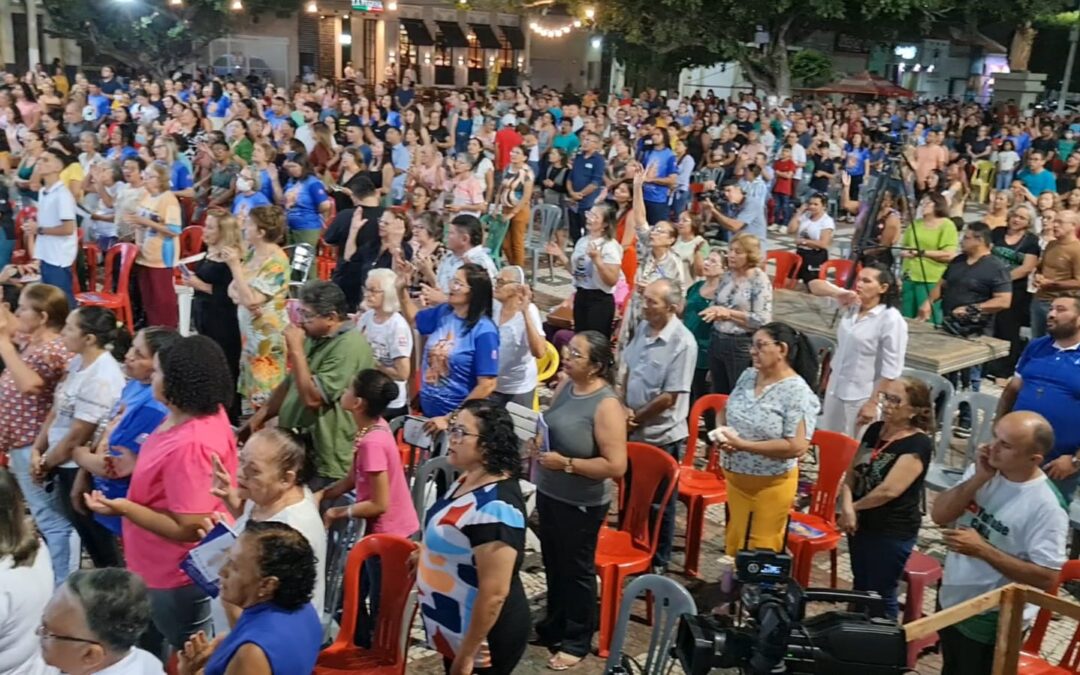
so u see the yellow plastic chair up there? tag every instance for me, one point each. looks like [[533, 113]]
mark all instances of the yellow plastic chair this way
[[546, 366], [983, 179]]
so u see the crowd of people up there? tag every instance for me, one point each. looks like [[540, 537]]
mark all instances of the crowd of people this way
[[418, 206]]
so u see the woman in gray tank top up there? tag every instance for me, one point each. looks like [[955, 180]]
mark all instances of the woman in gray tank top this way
[[588, 450]]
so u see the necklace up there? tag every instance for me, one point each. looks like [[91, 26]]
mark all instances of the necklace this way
[[362, 431]]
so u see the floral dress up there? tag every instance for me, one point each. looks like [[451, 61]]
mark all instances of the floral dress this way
[[262, 359]]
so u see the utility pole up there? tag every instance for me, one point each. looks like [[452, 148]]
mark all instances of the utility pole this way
[[1074, 35]]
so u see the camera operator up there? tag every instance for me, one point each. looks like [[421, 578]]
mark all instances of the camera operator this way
[[748, 212], [1006, 526]]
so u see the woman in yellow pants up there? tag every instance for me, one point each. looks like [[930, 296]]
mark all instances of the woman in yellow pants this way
[[765, 427]]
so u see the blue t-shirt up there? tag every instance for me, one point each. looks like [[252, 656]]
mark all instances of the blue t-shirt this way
[[242, 204], [1038, 183], [101, 103], [290, 640], [856, 161], [123, 154], [586, 171], [142, 414], [304, 213], [454, 357], [218, 108], [1052, 388], [180, 177], [266, 185], [666, 165], [462, 134]]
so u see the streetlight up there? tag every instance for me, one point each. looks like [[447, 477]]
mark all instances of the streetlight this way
[[312, 7], [176, 3], [590, 13], [237, 5], [597, 42]]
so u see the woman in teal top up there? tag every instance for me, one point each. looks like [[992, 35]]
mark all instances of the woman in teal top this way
[[698, 297]]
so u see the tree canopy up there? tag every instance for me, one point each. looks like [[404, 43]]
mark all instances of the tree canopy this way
[[153, 36]]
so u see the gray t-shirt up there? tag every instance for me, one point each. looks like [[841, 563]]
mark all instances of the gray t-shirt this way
[[572, 421]]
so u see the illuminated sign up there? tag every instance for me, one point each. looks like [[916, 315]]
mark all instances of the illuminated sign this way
[[367, 5]]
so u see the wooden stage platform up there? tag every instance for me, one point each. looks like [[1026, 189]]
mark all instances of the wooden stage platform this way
[[929, 348]]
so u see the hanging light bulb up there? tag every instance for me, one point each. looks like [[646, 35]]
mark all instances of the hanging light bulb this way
[[176, 3], [391, 6], [577, 23], [237, 5], [312, 7], [590, 13]]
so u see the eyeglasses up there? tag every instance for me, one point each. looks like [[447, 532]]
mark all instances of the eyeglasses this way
[[456, 285], [504, 282], [458, 433], [44, 634], [758, 346], [890, 399], [572, 352]]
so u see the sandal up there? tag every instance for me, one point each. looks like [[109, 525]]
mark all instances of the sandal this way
[[563, 661]]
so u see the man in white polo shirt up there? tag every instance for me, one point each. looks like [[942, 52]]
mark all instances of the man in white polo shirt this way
[[57, 241]]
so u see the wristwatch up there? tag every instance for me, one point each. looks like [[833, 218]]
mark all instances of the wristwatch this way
[[569, 468]]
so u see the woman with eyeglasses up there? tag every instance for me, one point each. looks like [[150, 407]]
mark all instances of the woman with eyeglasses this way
[[389, 335], [157, 223], [461, 355], [880, 499], [871, 341], [473, 605], [763, 430], [180, 180], [587, 425], [813, 229]]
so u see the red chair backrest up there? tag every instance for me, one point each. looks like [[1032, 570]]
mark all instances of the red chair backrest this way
[[788, 265], [191, 239], [842, 269], [187, 209], [707, 403], [835, 452], [1071, 659], [649, 468], [397, 583], [127, 252]]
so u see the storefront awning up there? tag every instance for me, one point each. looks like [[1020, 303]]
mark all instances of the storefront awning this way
[[417, 32], [452, 34], [485, 36], [514, 36]]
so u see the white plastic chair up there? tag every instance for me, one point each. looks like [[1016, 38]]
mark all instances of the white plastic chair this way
[[536, 239], [670, 601], [430, 476], [942, 474]]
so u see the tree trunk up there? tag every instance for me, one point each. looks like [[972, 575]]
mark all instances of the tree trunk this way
[[1020, 49], [770, 68]]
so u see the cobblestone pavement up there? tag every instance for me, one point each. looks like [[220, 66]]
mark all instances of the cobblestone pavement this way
[[548, 293]]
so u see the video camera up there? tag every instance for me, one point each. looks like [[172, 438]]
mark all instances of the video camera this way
[[776, 634]]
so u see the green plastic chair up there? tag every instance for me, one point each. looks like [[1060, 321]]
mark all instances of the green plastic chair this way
[[496, 227]]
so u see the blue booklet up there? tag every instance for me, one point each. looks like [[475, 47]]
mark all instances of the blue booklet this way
[[203, 562]]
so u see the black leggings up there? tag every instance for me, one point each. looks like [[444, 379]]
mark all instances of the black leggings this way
[[99, 541], [594, 310]]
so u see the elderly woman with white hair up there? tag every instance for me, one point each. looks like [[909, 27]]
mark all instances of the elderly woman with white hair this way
[[388, 333], [521, 338]]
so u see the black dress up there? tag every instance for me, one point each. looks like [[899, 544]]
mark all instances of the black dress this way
[[215, 317]]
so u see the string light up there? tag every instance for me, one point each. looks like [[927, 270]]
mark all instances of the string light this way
[[560, 31]]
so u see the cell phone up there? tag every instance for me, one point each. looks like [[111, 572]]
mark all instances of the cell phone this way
[[292, 308]]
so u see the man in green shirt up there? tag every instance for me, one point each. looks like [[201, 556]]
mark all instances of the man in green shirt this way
[[326, 352]]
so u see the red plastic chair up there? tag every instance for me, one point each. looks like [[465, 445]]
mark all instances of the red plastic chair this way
[[118, 300], [835, 452], [386, 656], [841, 268], [920, 572], [788, 265], [21, 256], [1030, 661], [191, 240], [187, 210], [700, 489], [325, 260], [630, 549]]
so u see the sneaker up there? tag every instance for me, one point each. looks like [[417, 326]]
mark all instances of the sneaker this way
[[659, 569], [962, 432]]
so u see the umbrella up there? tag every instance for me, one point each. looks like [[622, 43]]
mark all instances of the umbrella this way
[[865, 84]]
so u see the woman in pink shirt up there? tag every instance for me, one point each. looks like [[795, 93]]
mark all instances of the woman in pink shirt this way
[[382, 495], [170, 493]]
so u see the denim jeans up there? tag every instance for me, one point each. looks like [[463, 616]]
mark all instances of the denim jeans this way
[[178, 613], [657, 211], [1039, 311], [59, 277], [679, 202], [1003, 180], [781, 209], [877, 562], [970, 379], [48, 512], [667, 518]]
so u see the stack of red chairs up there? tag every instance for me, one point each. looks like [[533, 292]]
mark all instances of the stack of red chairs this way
[[700, 488]]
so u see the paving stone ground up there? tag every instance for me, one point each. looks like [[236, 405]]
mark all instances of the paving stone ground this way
[[549, 293]]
